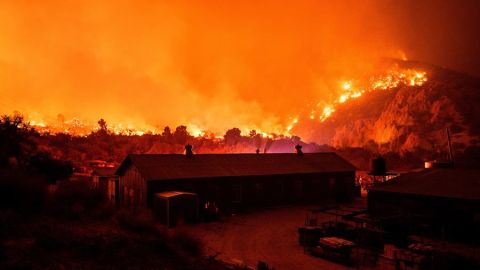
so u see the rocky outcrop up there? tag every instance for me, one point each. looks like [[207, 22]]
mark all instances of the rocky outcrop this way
[[407, 118]]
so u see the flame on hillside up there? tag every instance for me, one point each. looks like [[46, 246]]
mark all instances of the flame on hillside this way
[[347, 90], [353, 89]]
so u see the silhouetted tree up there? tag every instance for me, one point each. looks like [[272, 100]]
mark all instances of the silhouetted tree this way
[[181, 135], [257, 140], [103, 129], [15, 142], [166, 131], [167, 134], [232, 136]]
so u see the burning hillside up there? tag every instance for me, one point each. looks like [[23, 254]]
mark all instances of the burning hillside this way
[[411, 117], [391, 77], [313, 69], [404, 107], [211, 66]]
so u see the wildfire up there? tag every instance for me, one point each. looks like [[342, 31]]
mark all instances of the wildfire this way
[[77, 127], [348, 90], [327, 111], [351, 89]]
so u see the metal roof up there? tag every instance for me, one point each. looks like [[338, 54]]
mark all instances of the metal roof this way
[[176, 166], [170, 194], [449, 183]]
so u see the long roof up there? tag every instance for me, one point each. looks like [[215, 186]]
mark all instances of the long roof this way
[[176, 166], [446, 183]]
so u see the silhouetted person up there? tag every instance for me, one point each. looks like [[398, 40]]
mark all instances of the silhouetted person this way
[[298, 147], [188, 150]]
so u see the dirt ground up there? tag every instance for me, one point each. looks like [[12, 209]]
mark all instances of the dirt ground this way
[[268, 235]]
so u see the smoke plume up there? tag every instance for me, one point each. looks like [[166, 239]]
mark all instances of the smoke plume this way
[[212, 64]]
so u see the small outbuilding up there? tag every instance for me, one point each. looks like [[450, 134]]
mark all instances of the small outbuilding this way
[[105, 180], [176, 207], [441, 201]]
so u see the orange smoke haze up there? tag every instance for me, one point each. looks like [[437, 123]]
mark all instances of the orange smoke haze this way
[[208, 64]]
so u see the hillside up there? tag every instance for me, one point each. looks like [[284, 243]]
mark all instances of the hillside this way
[[407, 118]]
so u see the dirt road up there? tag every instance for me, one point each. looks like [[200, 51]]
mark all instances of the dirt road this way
[[267, 235]]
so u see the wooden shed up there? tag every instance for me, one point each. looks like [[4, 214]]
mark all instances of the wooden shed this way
[[105, 180], [176, 207]]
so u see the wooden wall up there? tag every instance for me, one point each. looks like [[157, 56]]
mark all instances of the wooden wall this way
[[234, 193], [132, 188], [452, 218], [256, 191]]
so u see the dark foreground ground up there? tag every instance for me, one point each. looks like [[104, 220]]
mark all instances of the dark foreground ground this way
[[124, 241], [133, 241], [267, 235]]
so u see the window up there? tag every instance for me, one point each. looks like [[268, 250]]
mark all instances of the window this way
[[279, 187], [213, 191], [237, 193], [259, 191], [298, 188], [259, 188], [331, 184]]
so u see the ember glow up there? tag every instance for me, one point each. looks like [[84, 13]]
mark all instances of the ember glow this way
[[211, 66], [352, 89], [348, 90]]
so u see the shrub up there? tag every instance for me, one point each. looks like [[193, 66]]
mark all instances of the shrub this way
[[136, 220], [104, 211], [21, 192], [53, 169], [183, 243], [74, 199]]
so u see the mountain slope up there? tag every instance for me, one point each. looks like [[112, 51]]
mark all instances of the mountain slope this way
[[407, 118]]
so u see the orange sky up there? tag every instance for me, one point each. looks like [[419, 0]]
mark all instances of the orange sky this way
[[215, 64]]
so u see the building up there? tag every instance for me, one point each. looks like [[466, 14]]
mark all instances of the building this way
[[174, 207], [443, 202], [236, 181], [105, 180]]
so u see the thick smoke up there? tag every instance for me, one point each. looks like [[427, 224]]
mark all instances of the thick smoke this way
[[212, 64]]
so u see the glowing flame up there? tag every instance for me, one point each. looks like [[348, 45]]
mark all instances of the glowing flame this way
[[196, 131], [327, 112], [348, 90], [292, 124], [343, 98], [77, 127]]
